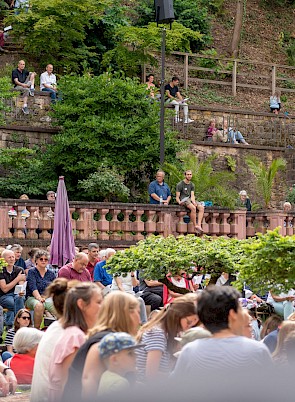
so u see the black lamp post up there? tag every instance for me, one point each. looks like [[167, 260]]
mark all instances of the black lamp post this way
[[164, 14]]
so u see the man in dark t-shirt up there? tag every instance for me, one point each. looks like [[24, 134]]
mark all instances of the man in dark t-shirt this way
[[174, 97], [9, 278], [24, 82], [185, 195]]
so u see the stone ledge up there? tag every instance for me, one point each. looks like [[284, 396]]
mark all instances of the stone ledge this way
[[31, 128], [234, 111], [38, 93], [227, 145]]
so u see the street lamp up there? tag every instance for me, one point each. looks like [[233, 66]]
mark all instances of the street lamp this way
[[165, 15]]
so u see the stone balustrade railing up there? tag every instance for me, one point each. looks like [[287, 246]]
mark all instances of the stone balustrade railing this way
[[268, 220], [120, 225]]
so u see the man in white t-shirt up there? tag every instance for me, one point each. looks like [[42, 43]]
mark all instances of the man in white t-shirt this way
[[220, 312], [48, 82]]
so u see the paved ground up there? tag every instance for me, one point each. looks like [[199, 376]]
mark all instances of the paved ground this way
[[20, 397]]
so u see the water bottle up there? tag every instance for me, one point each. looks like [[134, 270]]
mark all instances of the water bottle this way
[[161, 200]]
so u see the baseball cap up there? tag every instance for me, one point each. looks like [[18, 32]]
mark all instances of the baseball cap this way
[[116, 342]]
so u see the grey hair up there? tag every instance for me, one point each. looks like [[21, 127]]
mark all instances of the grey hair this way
[[103, 253], [6, 251], [91, 246], [80, 255], [41, 253], [26, 339], [16, 247], [109, 251]]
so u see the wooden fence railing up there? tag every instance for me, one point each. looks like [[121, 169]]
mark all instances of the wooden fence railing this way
[[234, 72]]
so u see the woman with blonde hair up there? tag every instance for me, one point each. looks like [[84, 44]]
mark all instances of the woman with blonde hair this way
[[279, 355], [158, 335], [119, 313]]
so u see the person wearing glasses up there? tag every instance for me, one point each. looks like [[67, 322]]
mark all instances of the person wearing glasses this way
[[22, 319], [37, 281], [76, 269]]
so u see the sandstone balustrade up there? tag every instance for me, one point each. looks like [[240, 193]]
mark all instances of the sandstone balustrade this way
[[123, 224]]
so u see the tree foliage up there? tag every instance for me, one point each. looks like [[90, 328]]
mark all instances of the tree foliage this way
[[265, 262], [210, 185], [109, 127], [106, 183], [269, 262], [55, 31], [136, 44], [265, 176], [5, 93]]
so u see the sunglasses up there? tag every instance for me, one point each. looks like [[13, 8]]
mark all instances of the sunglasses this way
[[25, 318], [43, 259]]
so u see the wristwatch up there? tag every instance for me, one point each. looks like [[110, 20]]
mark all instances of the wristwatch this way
[[5, 369]]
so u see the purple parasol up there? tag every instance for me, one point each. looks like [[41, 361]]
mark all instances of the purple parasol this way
[[62, 247]]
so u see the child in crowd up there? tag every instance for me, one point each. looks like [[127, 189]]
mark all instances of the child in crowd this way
[[116, 350]]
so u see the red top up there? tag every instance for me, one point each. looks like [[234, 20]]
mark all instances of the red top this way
[[69, 273], [23, 366], [91, 266]]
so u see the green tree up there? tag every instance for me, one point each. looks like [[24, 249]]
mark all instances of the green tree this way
[[106, 121], [157, 256], [107, 184], [55, 31], [265, 176], [136, 44], [269, 262], [209, 184], [5, 95]]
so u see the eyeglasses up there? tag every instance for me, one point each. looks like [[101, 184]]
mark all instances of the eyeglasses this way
[[43, 259], [25, 318]]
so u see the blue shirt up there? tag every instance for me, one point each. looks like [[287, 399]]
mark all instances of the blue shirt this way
[[101, 275], [159, 189], [36, 282]]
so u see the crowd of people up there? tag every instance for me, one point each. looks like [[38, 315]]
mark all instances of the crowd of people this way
[[99, 341]]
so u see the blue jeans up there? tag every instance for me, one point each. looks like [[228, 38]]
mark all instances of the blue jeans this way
[[284, 309], [13, 303], [53, 94]]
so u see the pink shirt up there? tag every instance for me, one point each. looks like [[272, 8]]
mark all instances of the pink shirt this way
[[69, 273], [71, 339]]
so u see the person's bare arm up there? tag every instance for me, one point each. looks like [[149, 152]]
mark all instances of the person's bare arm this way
[[192, 197], [153, 363], [93, 369], [65, 365], [178, 96], [21, 84], [178, 197], [169, 94], [153, 283], [119, 283], [155, 197], [134, 280], [5, 287]]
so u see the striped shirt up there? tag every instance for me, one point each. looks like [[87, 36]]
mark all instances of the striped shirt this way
[[205, 355], [9, 338], [155, 339]]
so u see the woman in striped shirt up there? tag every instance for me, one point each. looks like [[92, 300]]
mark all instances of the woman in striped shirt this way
[[158, 336]]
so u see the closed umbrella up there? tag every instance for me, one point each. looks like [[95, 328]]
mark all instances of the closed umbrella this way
[[62, 248]]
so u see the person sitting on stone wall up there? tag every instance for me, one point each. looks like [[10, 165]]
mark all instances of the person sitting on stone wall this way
[[24, 81], [215, 135], [233, 135], [174, 97], [48, 83]]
